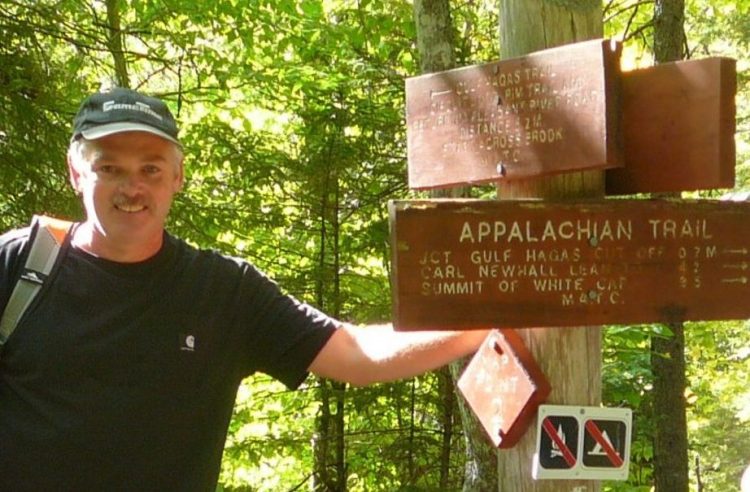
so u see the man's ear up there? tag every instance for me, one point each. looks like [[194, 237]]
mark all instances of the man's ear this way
[[179, 180], [74, 175]]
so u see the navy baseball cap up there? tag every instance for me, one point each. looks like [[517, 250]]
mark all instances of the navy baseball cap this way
[[123, 110]]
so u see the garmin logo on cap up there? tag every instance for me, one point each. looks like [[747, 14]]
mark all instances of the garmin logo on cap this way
[[138, 106], [187, 342]]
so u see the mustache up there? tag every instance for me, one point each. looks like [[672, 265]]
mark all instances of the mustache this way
[[124, 201]]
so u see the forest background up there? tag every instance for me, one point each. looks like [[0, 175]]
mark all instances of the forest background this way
[[292, 117]]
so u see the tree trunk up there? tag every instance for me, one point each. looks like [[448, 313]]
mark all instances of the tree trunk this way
[[570, 358], [669, 30], [448, 403], [668, 354], [435, 37], [321, 478], [436, 44], [480, 468], [339, 388], [670, 440], [329, 447], [115, 44]]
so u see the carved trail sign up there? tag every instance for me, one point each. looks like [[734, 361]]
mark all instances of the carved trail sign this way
[[664, 128], [544, 113], [462, 264]]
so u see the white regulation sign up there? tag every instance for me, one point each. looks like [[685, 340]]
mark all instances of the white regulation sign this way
[[582, 443]]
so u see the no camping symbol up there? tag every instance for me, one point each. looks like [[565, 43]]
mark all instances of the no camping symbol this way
[[604, 443]]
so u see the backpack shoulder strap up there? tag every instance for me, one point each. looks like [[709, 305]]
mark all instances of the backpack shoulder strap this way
[[47, 238]]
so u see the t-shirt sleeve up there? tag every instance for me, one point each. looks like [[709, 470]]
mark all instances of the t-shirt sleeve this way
[[12, 256], [284, 335]]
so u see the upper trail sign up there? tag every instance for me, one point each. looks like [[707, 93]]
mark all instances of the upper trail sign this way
[[480, 264], [663, 128], [544, 113]]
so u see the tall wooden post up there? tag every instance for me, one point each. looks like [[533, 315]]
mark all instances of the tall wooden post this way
[[569, 357]]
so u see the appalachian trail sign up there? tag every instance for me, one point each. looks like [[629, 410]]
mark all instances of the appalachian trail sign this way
[[463, 264]]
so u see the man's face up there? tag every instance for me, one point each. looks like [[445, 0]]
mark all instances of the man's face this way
[[127, 182]]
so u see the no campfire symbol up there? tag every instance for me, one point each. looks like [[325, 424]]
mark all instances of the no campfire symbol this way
[[559, 442], [582, 443]]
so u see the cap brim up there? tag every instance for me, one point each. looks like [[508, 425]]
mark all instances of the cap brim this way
[[121, 127]]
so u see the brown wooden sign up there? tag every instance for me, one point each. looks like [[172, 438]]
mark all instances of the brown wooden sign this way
[[463, 264], [678, 123], [504, 386], [545, 113]]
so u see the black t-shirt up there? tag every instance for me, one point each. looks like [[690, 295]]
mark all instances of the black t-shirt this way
[[123, 376]]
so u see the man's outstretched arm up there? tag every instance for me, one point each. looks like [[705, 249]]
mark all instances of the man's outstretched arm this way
[[370, 354]]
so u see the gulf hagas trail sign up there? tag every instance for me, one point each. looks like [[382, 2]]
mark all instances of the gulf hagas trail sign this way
[[589, 443], [548, 112], [463, 264]]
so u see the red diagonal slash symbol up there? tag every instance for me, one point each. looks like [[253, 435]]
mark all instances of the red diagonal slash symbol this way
[[552, 433], [604, 443]]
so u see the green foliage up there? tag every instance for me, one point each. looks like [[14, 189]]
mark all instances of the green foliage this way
[[33, 117], [718, 360], [627, 382], [476, 24]]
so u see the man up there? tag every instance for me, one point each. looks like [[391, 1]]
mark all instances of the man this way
[[124, 373]]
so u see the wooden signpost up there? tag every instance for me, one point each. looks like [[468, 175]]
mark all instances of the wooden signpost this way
[[527, 264], [470, 264]]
